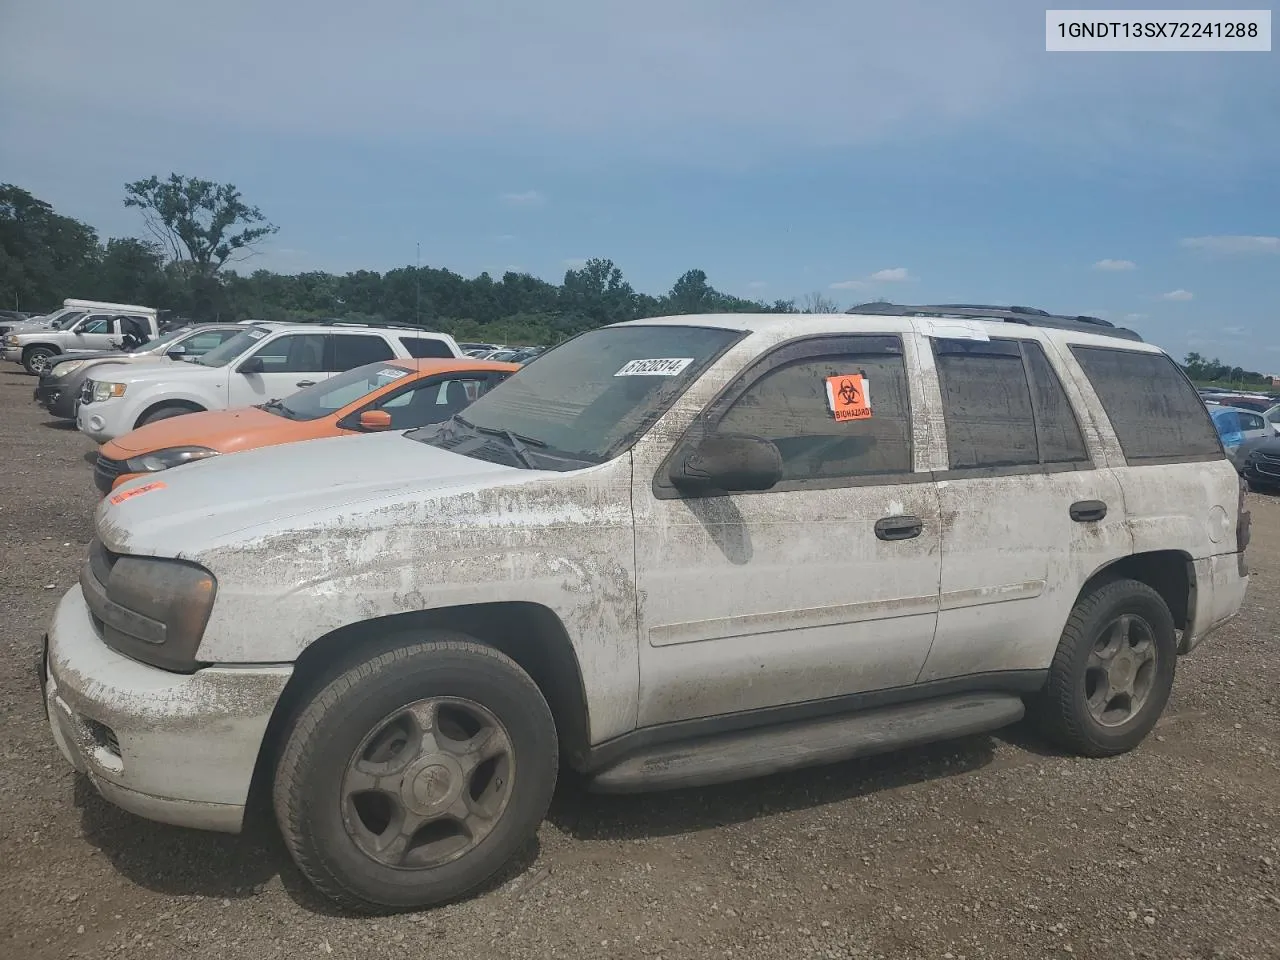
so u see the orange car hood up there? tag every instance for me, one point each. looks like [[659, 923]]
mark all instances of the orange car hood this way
[[226, 431]]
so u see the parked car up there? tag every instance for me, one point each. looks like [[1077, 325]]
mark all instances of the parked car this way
[[1272, 416], [262, 362], [91, 332], [672, 552], [390, 395], [1262, 466], [1243, 401], [1237, 427], [59, 388]]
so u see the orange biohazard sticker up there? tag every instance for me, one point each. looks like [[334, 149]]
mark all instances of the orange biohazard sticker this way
[[124, 495], [849, 397]]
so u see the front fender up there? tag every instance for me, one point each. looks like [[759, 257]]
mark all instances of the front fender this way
[[566, 545]]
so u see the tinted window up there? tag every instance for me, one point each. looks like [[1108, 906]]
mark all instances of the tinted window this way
[[1250, 422], [1153, 408], [426, 347], [986, 403], [292, 353], [351, 350], [1056, 427], [789, 406]]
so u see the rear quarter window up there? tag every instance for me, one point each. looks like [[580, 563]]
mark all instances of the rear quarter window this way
[[1153, 408], [426, 348]]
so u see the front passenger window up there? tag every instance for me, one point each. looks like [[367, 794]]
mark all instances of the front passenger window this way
[[293, 353], [790, 406]]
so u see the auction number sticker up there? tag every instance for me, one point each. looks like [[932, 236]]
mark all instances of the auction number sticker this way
[[391, 374], [124, 495], [661, 367], [849, 397]]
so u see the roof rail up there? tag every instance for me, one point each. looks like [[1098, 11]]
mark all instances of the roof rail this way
[[1027, 316]]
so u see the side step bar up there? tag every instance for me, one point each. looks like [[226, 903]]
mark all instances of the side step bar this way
[[758, 753]]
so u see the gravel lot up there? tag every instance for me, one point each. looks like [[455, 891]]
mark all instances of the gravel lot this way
[[986, 847]]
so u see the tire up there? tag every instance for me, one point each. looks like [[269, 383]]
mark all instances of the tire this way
[[329, 827], [1063, 709], [162, 413], [35, 359]]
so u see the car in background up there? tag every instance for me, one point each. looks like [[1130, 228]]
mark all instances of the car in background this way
[[1261, 466], [59, 387], [1272, 416], [519, 355], [1256, 402], [262, 362], [391, 395], [1239, 428]]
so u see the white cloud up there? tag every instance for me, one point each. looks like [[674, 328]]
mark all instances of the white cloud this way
[[575, 263], [1234, 331], [1115, 265], [1178, 294], [756, 285], [1135, 316], [1227, 243], [525, 198], [888, 275]]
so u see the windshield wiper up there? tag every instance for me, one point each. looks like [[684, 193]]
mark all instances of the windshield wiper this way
[[278, 405], [517, 441]]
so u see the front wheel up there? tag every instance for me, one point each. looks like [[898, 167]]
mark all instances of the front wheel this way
[[1113, 672], [36, 360], [412, 778], [162, 413]]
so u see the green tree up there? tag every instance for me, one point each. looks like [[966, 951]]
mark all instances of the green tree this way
[[44, 256]]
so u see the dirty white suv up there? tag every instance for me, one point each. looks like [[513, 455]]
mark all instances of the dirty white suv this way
[[265, 362], [665, 553]]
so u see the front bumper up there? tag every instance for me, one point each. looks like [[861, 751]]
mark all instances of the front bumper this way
[[177, 748], [94, 420], [1262, 471], [12, 354]]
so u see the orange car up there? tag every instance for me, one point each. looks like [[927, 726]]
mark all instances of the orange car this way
[[388, 395]]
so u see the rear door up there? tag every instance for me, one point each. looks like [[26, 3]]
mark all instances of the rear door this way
[[290, 360], [1029, 512]]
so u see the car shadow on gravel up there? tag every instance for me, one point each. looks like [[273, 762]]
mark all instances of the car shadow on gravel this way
[[65, 426], [174, 861], [593, 816]]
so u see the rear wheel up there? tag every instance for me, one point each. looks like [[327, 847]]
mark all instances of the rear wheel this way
[[412, 778], [1113, 672], [36, 359]]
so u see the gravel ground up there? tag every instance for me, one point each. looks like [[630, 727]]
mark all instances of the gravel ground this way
[[986, 847]]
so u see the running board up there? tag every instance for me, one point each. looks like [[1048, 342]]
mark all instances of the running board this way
[[760, 752]]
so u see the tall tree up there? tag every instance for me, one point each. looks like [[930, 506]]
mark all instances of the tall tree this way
[[44, 256], [198, 221], [817, 303]]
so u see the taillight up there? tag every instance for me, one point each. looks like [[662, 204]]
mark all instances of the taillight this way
[[1244, 520]]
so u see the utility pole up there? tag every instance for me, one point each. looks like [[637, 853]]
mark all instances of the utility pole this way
[[417, 285]]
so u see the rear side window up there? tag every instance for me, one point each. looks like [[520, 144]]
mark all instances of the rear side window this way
[[1004, 406], [1154, 410], [424, 348], [351, 350]]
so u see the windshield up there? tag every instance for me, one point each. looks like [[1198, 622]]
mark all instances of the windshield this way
[[65, 318], [221, 355], [584, 401], [312, 403], [160, 342]]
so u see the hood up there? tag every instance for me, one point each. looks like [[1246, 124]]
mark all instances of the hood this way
[[144, 368], [223, 430], [194, 508]]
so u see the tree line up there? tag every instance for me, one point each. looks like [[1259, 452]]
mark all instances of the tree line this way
[[1215, 371], [198, 231]]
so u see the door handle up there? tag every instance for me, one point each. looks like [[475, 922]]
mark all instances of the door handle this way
[[898, 528], [1088, 511], [306, 383]]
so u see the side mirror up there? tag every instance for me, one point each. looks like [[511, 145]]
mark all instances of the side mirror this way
[[252, 365], [729, 463], [177, 353], [375, 420]]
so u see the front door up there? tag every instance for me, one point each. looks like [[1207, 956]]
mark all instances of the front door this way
[[290, 361], [1027, 514], [826, 585], [94, 332]]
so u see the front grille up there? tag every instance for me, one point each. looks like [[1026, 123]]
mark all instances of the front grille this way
[[105, 472]]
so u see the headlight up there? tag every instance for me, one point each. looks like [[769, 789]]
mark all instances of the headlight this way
[[151, 610], [170, 457], [12, 341], [63, 369], [105, 390]]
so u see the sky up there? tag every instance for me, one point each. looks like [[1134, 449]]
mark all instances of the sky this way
[[907, 150]]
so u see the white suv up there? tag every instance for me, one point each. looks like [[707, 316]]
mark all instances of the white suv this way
[[669, 553], [265, 362]]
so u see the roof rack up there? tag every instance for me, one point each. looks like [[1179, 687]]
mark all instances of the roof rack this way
[[1027, 316], [374, 324]]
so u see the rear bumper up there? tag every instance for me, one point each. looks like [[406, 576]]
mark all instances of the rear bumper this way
[[1219, 593]]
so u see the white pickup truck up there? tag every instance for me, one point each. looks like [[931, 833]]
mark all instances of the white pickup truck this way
[[96, 329]]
